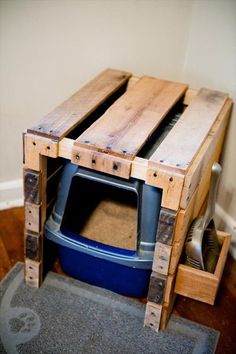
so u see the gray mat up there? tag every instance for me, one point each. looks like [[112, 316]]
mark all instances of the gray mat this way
[[68, 316]]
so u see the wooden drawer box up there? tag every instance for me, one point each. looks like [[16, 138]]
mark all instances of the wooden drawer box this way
[[200, 285]]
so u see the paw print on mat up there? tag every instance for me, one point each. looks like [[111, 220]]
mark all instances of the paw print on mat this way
[[24, 323]]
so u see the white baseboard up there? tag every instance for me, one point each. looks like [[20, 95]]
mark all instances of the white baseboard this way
[[225, 222], [11, 194]]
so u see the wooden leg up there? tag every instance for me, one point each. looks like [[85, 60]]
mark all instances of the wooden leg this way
[[35, 183], [161, 285]]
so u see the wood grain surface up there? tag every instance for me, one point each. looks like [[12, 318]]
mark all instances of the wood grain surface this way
[[127, 124], [185, 139], [74, 110]]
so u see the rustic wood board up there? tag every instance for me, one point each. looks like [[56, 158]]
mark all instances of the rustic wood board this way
[[156, 288], [33, 245], [127, 124], [32, 217], [74, 110], [153, 316], [181, 145], [161, 258], [98, 161], [208, 153], [32, 186], [33, 273], [166, 226]]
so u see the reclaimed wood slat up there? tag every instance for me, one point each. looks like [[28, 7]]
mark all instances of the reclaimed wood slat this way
[[156, 288], [32, 217], [161, 258], [36, 146], [127, 124], [181, 145], [208, 153], [33, 273], [33, 245], [153, 316], [166, 226], [74, 110], [32, 185]]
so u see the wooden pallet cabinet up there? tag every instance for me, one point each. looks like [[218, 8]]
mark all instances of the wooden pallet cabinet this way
[[103, 127]]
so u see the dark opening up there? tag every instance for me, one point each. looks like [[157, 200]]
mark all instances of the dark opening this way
[[102, 213]]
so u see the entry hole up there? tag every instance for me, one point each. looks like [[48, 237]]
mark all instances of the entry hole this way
[[171, 179], [34, 143]]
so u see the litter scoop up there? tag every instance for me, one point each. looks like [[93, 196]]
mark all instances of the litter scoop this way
[[202, 246]]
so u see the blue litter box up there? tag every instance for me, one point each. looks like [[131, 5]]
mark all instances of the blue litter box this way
[[101, 262]]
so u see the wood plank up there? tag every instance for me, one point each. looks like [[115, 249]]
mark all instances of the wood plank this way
[[65, 148], [166, 312], [139, 168], [74, 110], [33, 273], [156, 288], [127, 124], [169, 290], [161, 258], [171, 184], [139, 165], [166, 225], [189, 96], [132, 81], [223, 254], [33, 245], [34, 270], [183, 222], [32, 217], [32, 186], [183, 142], [209, 152], [35, 146], [101, 162], [153, 316]]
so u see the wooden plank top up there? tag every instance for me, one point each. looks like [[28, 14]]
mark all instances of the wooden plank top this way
[[127, 124], [74, 110], [181, 145]]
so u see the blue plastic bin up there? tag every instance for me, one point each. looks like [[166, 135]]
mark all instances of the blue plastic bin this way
[[120, 270]]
